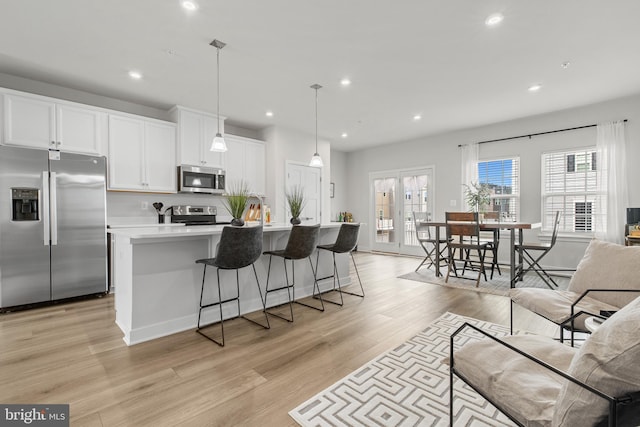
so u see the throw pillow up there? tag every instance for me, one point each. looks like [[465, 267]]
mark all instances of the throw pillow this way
[[608, 362]]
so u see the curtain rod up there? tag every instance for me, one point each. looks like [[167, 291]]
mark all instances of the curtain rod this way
[[537, 134]]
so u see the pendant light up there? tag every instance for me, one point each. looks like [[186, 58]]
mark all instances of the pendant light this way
[[218, 143], [316, 160]]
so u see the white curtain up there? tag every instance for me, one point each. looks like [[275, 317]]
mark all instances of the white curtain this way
[[469, 162], [611, 181]]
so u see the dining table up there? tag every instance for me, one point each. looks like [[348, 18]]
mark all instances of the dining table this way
[[494, 226]]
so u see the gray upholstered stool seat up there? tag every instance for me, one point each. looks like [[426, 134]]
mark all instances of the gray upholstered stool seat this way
[[346, 242], [302, 241], [239, 247]]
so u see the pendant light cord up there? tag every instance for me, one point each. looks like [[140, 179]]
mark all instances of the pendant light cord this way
[[316, 120], [218, 84]]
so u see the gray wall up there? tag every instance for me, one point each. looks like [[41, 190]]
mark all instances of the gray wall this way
[[443, 152]]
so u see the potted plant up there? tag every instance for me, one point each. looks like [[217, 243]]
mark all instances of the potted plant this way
[[295, 199], [477, 196], [236, 201]]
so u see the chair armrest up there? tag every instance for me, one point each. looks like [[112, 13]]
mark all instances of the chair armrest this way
[[611, 400], [584, 294]]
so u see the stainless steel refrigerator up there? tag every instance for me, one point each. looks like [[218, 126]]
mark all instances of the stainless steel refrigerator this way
[[52, 226]]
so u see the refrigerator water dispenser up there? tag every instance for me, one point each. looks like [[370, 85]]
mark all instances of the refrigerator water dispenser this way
[[25, 204]]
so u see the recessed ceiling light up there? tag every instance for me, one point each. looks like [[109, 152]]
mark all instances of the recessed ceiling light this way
[[344, 134], [189, 5], [535, 87], [345, 82], [269, 114], [136, 75], [493, 19], [417, 117]]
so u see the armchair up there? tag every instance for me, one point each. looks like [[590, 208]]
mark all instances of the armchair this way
[[537, 381], [607, 278]]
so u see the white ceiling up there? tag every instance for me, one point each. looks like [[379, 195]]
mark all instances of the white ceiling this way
[[430, 57]]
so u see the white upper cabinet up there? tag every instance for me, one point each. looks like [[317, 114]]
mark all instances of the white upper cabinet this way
[[245, 161], [195, 134], [40, 122], [142, 155]]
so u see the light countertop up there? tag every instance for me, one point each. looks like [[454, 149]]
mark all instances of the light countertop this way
[[147, 232]]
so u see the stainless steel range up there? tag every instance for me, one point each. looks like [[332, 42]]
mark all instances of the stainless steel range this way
[[195, 215]]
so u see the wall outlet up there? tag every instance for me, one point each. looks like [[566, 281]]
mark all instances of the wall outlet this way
[[144, 205]]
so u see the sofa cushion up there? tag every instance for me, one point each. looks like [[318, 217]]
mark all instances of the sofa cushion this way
[[609, 362], [501, 374], [556, 305], [608, 265]]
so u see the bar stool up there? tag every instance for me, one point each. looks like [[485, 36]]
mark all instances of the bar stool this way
[[346, 242], [302, 241], [239, 247]]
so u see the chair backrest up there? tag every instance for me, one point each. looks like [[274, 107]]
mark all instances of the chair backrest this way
[[463, 224], [347, 238], [302, 241], [492, 215], [556, 225], [423, 231], [238, 247]]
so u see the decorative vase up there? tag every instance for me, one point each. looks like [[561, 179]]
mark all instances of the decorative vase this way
[[238, 222], [295, 221]]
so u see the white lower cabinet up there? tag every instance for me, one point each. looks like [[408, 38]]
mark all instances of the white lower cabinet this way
[[142, 155], [245, 160]]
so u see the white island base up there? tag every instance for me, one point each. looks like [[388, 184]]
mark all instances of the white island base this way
[[157, 282]]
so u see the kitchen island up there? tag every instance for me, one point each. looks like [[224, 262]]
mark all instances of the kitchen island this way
[[157, 282]]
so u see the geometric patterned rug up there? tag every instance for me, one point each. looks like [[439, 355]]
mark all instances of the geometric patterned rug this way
[[406, 386]]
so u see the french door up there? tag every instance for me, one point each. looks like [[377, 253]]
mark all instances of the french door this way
[[395, 195]]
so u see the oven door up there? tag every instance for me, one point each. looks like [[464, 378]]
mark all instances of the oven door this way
[[194, 179]]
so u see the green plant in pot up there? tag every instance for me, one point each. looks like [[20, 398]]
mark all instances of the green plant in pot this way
[[236, 201], [295, 199], [477, 196]]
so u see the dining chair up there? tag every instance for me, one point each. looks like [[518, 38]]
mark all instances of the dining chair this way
[[239, 247], [492, 237], [463, 236], [526, 251], [425, 234]]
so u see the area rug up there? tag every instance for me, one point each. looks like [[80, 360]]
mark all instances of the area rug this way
[[407, 386], [499, 285]]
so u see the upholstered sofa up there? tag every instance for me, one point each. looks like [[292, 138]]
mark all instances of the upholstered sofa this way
[[538, 381]]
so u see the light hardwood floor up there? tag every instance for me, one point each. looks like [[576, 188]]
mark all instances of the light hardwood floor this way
[[74, 353]]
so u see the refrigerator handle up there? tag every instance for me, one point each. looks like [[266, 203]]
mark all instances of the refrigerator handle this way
[[54, 210], [45, 206]]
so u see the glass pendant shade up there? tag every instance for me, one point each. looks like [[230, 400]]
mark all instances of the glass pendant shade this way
[[218, 144], [316, 161]]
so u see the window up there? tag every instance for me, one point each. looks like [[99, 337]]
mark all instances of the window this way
[[503, 178], [569, 186]]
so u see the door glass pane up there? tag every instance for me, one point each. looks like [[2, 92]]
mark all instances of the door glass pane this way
[[385, 189], [416, 199]]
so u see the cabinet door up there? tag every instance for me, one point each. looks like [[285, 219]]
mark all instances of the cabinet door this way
[[126, 155], [255, 166], [213, 159], [29, 122], [79, 129], [234, 158], [191, 136], [160, 150]]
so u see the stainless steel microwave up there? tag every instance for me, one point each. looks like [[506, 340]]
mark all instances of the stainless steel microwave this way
[[198, 179]]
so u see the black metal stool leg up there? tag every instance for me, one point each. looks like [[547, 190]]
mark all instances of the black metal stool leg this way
[[315, 286], [286, 286], [219, 304]]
